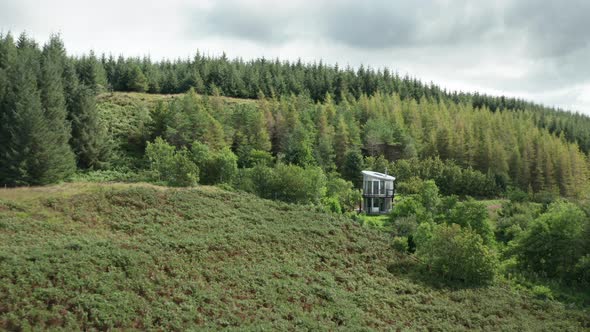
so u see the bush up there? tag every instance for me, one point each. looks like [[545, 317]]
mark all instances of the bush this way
[[474, 215], [411, 186], [406, 227], [429, 196], [288, 183], [458, 254], [216, 166], [106, 176], [554, 242], [406, 207], [400, 244], [171, 166], [516, 195], [348, 197], [332, 204], [542, 293]]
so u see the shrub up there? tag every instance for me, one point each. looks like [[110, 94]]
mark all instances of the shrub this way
[[553, 243], [288, 183], [348, 197], [406, 227], [216, 166], [429, 196], [542, 293], [408, 206], [411, 186], [221, 167], [171, 166], [516, 195], [458, 254], [474, 215], [400, 244], [184, 172], [332, 204]]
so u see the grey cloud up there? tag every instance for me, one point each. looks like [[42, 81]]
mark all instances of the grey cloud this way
[[551, 28], [238, 20], [373, 24], [393, 24]]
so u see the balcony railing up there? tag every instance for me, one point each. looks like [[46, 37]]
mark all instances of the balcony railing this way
[[379, 193]]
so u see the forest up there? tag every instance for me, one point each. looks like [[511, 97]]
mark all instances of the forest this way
[[307, 115], [302, 133]]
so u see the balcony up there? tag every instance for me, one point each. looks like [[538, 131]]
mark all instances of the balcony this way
[[379, 193]]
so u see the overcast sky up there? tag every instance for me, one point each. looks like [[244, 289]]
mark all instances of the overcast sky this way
[[535, 49]]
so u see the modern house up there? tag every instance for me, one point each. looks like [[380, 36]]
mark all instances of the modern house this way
[[378, 192]]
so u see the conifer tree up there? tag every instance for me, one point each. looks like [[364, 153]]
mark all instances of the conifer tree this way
[[34, 127], [90, 140], [352, 168]]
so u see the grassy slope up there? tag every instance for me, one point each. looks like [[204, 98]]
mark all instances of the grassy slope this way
[[137, 256]]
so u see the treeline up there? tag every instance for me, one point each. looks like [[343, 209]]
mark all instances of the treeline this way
[[274, 78]]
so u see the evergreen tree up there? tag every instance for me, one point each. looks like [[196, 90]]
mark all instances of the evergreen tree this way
[[90, 139], [136, 80], [353, 167], [36, 135]]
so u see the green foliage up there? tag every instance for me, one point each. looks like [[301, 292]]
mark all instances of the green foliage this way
[[343, 191], [411, 186], [400, 244], [514, 218], [429, 196], [332, 204], [221, 167], [553, 243], [352, 168], [516, 195], [408, 206], [473, 215], [288, 183], [173, 167], [216, 166], [107, 176], [90, 140], [457, 254], [102, 257], [542, 293], [34, 132], [448, 176], [299, 185]]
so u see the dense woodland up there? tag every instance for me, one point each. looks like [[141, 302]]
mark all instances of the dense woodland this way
[[302, 133], [308, 115]]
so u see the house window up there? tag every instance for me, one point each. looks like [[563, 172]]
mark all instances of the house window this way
[[375, 187]]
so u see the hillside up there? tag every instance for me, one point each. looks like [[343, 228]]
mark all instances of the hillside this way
[[90, 256]]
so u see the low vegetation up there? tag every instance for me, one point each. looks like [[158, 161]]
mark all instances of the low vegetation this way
[[95, 256]]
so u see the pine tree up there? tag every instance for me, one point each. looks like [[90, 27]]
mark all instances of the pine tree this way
[[341, 142], [136, 80], [90, 140], [299, 148], [36, 134], [352, 168], [324, 151]]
